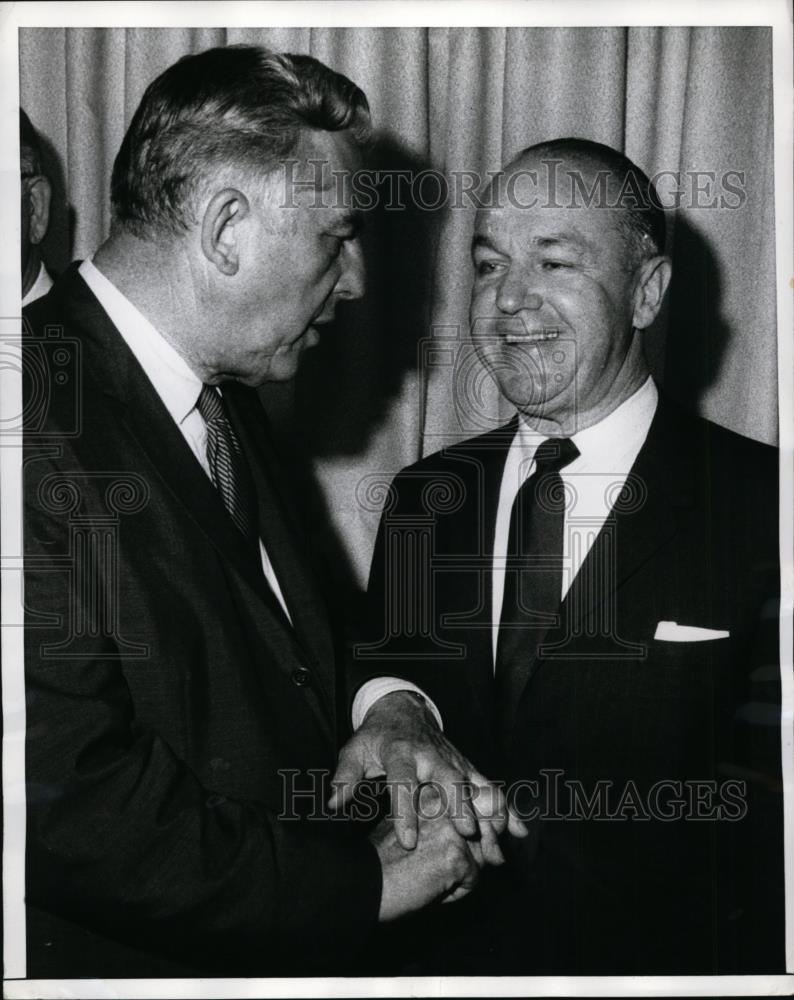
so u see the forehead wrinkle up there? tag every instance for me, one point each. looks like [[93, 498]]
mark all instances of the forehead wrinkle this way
[[568, 236], [573, 239]]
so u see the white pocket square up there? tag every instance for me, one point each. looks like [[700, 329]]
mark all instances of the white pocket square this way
[[673, 632]]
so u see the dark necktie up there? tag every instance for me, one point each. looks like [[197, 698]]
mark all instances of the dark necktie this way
[[228, 466], [533, 575]]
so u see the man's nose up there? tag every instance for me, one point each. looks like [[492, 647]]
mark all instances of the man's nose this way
[[352, 281], [515, 294]]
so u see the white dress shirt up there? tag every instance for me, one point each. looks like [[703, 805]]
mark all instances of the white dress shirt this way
[[40, 286], [593, 481], [174, 381]]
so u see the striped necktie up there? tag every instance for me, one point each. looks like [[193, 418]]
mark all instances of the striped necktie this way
[[228, 467]]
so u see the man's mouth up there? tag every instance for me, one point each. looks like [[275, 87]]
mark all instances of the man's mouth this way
[[311, 335], [532, 336], [325, 316]]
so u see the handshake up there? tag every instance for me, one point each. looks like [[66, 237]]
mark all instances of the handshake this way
[[446, 817]]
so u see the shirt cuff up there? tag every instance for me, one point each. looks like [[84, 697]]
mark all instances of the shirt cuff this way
[[379, 687]]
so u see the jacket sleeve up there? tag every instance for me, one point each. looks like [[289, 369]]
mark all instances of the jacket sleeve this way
[[397, 629]]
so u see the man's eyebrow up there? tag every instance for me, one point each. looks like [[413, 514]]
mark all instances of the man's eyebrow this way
[[566, 239], [570, 238], [478, 240]]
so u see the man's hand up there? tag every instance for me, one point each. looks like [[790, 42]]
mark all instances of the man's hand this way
[[441, 866], [400, 739]]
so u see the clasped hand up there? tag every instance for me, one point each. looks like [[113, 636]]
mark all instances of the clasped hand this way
[[445, 818]]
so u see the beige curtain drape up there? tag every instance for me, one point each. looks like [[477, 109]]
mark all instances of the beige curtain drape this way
[[397, 380]]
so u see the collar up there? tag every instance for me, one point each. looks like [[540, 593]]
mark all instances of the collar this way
[[173, 379], [40, 286], [611, 443]]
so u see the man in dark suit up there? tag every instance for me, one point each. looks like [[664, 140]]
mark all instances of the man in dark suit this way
[[588, 598], [181, 668]]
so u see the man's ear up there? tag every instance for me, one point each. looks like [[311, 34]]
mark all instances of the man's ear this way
[[219, 241], [653, 277], [39, 195]]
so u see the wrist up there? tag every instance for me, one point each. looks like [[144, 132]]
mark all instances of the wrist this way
[[400, 707]]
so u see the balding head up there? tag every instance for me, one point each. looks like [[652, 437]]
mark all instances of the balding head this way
[[580, 173]]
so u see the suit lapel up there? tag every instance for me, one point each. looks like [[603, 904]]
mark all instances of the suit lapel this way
[[113, 367], [473, 536], [191, 487], [645, 517], [280, 534], [111, 364]]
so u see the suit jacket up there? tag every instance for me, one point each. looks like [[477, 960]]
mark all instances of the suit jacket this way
[[172, 711], [656, 837]]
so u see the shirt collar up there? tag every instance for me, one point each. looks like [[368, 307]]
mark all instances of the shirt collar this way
[[40, 286], [607, 444], [173, 379]]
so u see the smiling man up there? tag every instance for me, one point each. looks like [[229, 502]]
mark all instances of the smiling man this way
[[180, 661], [587, 600]]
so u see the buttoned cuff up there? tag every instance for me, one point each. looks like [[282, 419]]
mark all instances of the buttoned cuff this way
[[378, 688]]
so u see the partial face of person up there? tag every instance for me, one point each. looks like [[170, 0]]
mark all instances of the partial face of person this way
[[299, 255], [552, 304], [25, 214], [35, 214]]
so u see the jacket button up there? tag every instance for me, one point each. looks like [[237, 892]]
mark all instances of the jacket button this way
[[301, 677]]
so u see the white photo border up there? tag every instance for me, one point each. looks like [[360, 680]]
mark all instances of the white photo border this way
[[372, 13]]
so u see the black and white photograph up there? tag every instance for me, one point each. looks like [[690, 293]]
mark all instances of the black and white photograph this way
[[397, 499]]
